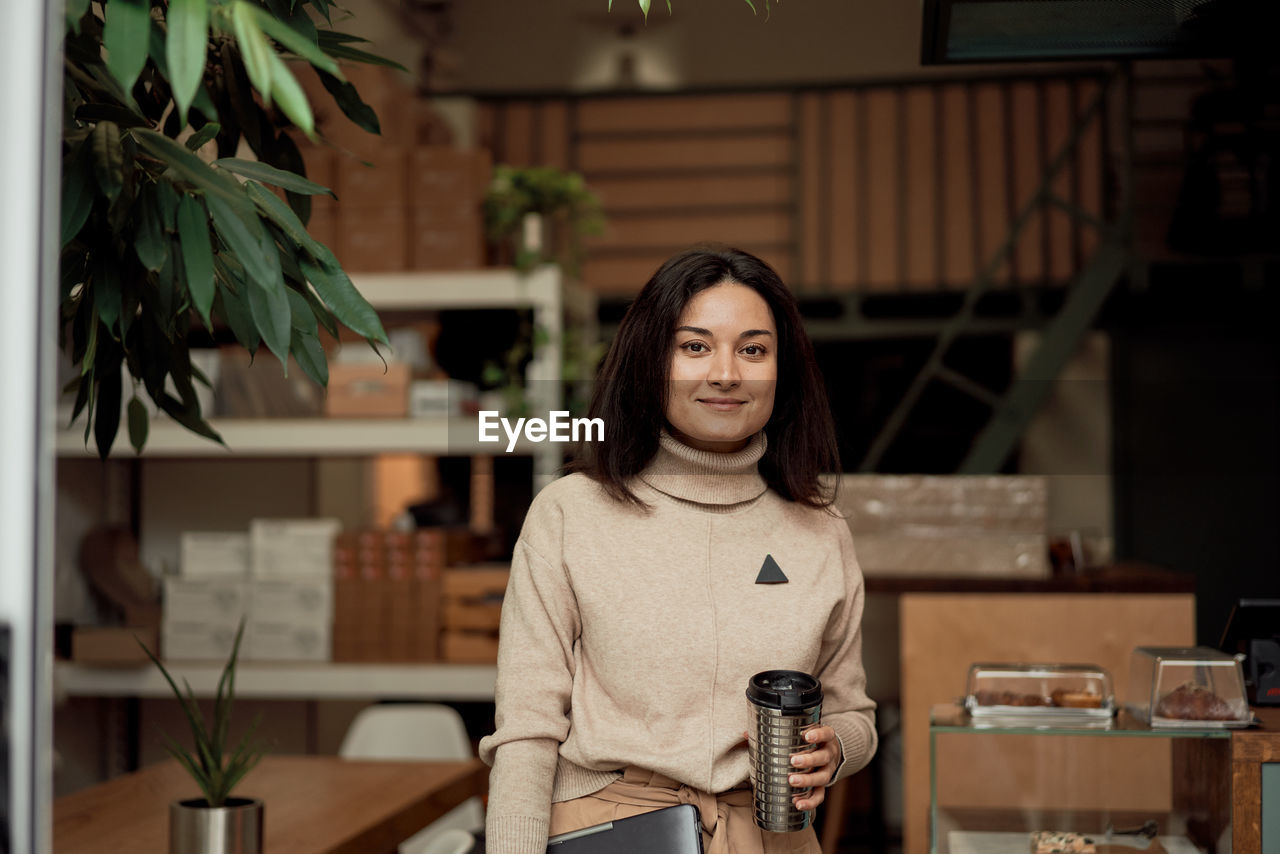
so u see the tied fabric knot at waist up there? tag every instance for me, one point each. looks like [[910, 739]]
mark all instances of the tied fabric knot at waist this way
[[727, 818]]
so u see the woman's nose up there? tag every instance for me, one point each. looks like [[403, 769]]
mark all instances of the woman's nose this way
[[723, 372]]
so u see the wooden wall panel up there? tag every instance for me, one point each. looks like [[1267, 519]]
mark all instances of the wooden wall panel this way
[[863, 188], [553, 144], [811, 184], [991, 179], [942, 634], [883, 162], [623, 194], [960, 261], [922, 182], [844, 191], [766, 149], [1028, 172], [1089, 166], [678, 229], [626, 274], [686, 113], [1058, 112]]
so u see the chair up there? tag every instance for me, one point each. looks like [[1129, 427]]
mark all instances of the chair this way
[[451, 841], [414, 731]]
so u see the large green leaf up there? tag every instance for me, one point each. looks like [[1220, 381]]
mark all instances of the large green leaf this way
[[200, 137], [191, 168], [106, 293], [231, 308], [349, 101], [106, 421], [342, 51], [271, 315], [294, 41], [139, 424], [185, 50], [282, 215], [148, 238], [108, 159], [197, 255], [335, 288], [308, 352], [77, 190], [281, 178], [122, 116], [254, 48], [245, 237], [290, 97], [125, 35], [75, 11]]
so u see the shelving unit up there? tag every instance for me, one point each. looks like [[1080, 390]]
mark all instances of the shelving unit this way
[[288, 681], [543, 291]]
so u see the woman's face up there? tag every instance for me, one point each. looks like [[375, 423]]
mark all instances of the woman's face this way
[[724, 365]]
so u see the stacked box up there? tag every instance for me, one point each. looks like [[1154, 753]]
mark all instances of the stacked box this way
[[291, 590], [213, 554], [387, 587], [472, 610], [947, 525], [201, 616]]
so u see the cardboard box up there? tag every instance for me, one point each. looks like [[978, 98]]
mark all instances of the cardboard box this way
[[195, 640], [292, 599], [380, 185], [218, 602], [947, 525], [433, 398], [445, 239], [213, 554], [444, 177], [370, 391], [465, 647], [292, 548], [109, 646], [372, 239], [286, 640]]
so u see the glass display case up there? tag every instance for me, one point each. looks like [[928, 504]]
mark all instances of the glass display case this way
[[1188, 687], [1087, 786], [1015, 694]]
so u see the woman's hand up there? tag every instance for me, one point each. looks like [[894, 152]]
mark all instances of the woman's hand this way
[[816, 768]]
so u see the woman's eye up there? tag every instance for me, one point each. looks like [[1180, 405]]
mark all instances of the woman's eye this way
[[753, 350], [694, 347]]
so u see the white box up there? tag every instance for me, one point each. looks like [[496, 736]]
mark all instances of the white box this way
[[193, 640], [214, 554], [292, 548], [433, 398], [215, 601], [285, 640], [297, 600]]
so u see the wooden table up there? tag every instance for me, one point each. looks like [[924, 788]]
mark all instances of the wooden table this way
[[314, 805]]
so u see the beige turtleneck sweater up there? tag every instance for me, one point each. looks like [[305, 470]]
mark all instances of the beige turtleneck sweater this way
[[628, 637]]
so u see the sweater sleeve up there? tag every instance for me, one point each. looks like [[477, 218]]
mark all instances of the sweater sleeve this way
[[846, 708], [535, 676]]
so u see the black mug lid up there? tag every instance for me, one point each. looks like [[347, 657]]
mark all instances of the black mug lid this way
[[784, 689]]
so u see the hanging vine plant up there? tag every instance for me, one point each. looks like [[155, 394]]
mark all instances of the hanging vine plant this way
[[164, 227]]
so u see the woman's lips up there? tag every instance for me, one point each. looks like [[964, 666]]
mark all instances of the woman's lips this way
[[721, 404]]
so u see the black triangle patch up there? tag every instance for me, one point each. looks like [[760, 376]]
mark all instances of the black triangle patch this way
[[770, 572]]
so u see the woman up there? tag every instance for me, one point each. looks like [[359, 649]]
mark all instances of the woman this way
[[634, 619]]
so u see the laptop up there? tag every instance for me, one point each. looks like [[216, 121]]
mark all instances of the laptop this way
[[670, 830]]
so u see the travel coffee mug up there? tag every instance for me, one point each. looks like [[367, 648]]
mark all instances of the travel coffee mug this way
[[784, 705]]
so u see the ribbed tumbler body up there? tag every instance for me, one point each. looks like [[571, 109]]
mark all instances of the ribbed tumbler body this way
[[783, 706]]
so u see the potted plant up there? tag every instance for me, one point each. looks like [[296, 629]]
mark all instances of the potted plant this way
[[539, 214], [168, 229], [216, 823]]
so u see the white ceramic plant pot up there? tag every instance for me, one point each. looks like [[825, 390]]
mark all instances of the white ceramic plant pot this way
[[235, 828]]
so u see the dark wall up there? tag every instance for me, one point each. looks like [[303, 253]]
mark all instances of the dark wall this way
[[1196, 362]]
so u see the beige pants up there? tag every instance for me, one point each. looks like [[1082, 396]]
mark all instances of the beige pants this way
[[727, 822]]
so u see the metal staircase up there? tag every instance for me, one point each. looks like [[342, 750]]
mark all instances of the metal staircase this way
[[1012, 409]]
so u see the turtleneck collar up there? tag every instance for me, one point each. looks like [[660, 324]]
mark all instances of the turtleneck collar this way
[[706, 477]]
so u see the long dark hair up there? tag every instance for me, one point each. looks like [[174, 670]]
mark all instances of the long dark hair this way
[[631, 390]]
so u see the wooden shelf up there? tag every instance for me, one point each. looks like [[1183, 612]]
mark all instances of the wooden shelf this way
[[287, 680], [306, 437]]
